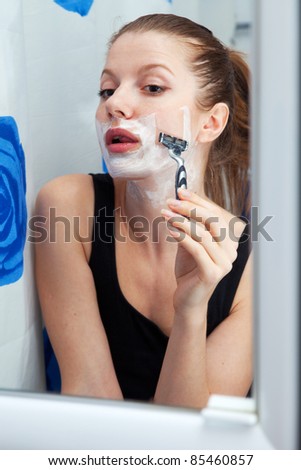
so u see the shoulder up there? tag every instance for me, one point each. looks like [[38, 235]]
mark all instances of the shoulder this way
[[70, 194], [66, 206]]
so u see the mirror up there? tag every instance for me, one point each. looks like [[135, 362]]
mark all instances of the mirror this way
[[50, 89]]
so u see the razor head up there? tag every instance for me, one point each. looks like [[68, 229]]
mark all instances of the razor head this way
[[176, 147], [173, 143]]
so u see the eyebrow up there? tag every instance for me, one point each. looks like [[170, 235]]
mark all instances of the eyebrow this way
[[143, 69]]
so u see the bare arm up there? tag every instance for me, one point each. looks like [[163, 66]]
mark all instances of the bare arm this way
[[67, 293], [195, 366]]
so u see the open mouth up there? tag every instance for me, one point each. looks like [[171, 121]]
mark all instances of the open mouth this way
[[119, 140]]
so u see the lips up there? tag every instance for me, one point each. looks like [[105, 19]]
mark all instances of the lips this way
[[120, 140]]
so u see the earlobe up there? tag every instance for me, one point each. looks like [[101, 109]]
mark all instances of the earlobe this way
[[213, 123]]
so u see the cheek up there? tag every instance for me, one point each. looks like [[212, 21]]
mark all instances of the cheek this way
[[175, 122], [170, 121]]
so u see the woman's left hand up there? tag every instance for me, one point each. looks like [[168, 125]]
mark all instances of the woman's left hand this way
[[207, 248]]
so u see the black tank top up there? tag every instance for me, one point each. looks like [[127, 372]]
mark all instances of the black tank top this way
[[137, 344]]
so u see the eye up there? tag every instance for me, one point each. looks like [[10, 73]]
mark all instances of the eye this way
[[106, 93], [154, 89]]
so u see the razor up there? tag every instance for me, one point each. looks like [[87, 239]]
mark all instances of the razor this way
[[175, 147]]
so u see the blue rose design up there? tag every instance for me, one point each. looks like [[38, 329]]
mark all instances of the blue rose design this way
[[13, 213], [82, 7]]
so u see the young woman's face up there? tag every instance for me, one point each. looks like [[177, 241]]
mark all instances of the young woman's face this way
[[146, 74]]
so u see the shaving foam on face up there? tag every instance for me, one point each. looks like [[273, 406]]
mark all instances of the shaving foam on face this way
[[189, 161], [152, 159], [148, 159], [186, 126]]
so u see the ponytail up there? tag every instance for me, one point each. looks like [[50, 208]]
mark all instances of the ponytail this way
[[227, 173]]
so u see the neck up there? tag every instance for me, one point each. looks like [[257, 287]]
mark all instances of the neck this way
[[140, 201]]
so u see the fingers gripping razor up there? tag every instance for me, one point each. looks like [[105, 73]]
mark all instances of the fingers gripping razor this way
[[176, 147]]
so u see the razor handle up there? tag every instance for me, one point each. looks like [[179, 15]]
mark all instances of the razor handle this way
[[181, 179]]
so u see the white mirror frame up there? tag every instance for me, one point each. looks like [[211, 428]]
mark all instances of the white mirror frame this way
[[36, 421], [276, 182]]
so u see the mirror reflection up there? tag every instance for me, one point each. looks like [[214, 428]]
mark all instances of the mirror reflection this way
[[139, 229]]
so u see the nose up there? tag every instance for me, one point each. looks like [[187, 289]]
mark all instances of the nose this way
[[119, 105]]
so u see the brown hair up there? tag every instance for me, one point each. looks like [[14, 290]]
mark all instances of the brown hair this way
[[224, 77]]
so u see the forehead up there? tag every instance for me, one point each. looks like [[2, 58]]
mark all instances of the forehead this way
[[148, 47]]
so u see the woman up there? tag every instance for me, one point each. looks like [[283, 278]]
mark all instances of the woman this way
[[151, 298]]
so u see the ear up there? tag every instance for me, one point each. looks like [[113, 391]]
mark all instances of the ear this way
[[213, 123]]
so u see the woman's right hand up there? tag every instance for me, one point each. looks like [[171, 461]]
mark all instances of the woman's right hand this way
[[207, 249]]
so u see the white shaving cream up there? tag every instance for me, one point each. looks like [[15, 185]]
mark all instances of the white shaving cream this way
[[151, 157]]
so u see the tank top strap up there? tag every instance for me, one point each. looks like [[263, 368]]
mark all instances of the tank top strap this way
[[103, 207]]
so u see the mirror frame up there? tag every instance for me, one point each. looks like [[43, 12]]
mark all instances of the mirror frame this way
[[276, 183]]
